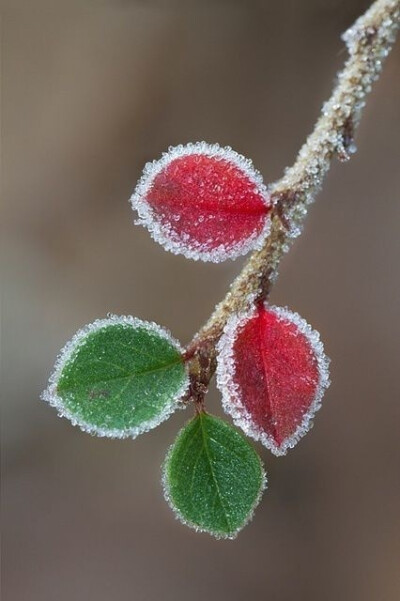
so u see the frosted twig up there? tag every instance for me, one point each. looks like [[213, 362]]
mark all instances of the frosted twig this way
[[368, 43]]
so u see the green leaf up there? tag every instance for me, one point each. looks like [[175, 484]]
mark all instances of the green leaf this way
[[118, 377], [213, 478]]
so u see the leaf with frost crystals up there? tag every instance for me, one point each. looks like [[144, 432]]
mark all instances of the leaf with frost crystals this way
[[203, 201], [213, 478], [272, 372], [118, 377]]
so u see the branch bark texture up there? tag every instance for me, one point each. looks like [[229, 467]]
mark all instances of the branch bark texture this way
[[368, 43]]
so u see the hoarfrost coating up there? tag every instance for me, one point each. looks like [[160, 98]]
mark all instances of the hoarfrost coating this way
[[183, 520], [51, 396], [165, 231], [232, 395]]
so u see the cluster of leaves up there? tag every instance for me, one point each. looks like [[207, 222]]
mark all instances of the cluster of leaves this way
[[121, 376]]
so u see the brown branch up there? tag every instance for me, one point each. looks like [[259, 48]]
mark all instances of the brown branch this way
[[368, 42]]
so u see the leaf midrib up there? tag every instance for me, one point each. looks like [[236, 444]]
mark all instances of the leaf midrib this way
[[207, 451], [263, 348], [123, 378]]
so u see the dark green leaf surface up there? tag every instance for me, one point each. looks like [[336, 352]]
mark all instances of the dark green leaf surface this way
[[213, 478], [118, 377]]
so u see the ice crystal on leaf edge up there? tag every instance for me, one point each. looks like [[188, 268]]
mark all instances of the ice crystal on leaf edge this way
[[51, 396], [172, 241], [178, 515], [230, 390]]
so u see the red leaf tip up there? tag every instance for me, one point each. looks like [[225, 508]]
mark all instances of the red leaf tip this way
[[272, 372], [203, 201]]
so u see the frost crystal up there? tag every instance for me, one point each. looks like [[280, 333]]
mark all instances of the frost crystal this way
[[118, 377], [272, 372], [368, 42], [212, 477], [203, 201]]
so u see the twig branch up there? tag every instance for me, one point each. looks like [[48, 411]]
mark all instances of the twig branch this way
[[368, 42]]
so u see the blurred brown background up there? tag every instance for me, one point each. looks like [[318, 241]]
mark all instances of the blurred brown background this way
[[93, 89]]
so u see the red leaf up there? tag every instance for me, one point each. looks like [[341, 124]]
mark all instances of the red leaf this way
[[204, 202], [272, 372]]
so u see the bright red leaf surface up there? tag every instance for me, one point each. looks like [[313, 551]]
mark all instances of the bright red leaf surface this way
[[272, 372], [203, 201]]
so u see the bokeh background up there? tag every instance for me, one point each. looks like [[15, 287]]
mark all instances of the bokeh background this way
[[92, 90]]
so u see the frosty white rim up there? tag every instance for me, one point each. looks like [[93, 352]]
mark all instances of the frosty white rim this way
[[51, 396], [179, 516], [172, 241], [231, 395]]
